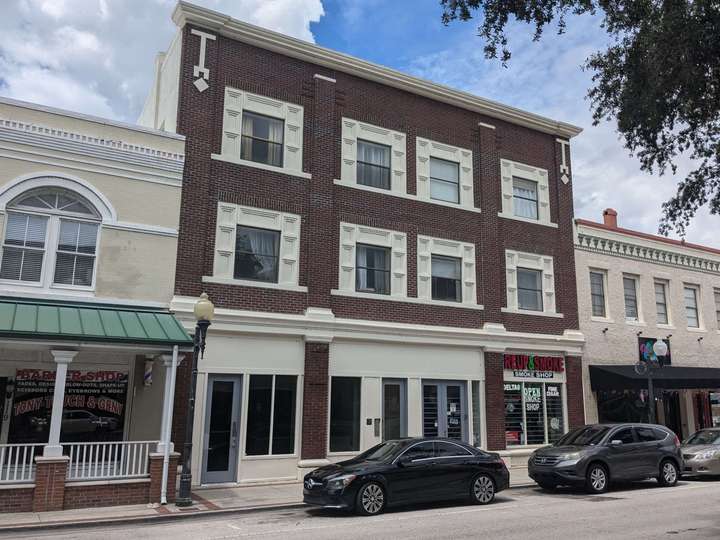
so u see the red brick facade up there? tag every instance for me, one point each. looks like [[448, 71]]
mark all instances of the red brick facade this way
[[323, 205]]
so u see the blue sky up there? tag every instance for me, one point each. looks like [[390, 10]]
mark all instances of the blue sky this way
[[96, 56]]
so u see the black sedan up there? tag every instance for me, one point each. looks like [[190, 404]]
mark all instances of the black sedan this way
[[407, 471]]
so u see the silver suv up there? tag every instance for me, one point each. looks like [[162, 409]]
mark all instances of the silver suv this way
[[598, 454]]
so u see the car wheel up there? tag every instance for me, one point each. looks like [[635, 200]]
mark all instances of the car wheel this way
[[596, 478], [547, 485], [668, 473], [483, 489], [371, 499]]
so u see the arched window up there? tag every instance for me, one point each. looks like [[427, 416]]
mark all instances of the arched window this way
[[50, 239]]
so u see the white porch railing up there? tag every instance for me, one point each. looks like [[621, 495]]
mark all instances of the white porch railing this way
[[17, 462], [108, 460]]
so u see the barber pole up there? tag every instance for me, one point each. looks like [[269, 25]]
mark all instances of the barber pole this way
[[148, 375]]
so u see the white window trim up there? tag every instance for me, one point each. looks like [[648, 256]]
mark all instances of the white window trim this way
[[424, 150], [47, 272], [406, 299], [604, 273], [533, 261], [229, 217], [352, 130], [640, 321], [351, 235], [510, 169], [698, 303], [666, 284], [238, 101], [428, 246]]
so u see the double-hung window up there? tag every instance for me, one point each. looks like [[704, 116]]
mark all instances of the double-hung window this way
[[597, 293], [372, 271], [271, 415], [691, 306], [631, 303], [50, 239], [661, 302], [373, 164], [717, 306], [262, 139], [446, 278], [444, 180], [257, 253], [529, 286], [525, 198]]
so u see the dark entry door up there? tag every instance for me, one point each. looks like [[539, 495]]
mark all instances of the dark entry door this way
[[673, 416], [444, 410], [221, 434]]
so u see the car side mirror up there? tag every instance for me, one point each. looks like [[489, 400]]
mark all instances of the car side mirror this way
[[616, 442]]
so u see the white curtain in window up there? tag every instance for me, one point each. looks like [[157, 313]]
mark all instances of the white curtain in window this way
[[361, 273], [525, 198], [373, 165], [446, 267]]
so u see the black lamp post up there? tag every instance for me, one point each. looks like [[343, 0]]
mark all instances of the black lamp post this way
[[204, 311], [646, 368]]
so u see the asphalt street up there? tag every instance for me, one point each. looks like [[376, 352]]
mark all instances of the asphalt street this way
[[642, 511]]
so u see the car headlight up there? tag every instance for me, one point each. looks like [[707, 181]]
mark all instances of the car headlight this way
[[709, 454], [341, 482], [569, 457]]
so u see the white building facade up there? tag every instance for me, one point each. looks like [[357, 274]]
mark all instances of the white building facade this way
[[634, 289]]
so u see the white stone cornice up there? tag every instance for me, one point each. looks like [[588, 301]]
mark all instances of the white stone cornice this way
[[632, 248], [266, 39], [231, 321]]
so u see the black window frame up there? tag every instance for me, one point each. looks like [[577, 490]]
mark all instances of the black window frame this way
[[434, 280], [271, 439], [387, 169], [275, 256], [385, 271], [252, 138]]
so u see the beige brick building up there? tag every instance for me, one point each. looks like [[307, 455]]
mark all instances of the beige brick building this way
[[634, 289]]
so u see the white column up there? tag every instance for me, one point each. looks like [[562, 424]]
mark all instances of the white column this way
[[168, 399], [62, 359]]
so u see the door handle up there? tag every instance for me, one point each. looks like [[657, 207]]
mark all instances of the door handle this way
[[233, 434]]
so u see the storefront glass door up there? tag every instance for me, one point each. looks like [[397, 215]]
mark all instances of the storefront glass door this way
[[222, 418], [444, 410]]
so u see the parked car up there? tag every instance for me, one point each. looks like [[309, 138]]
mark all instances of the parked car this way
[[81, 421], [701, 452], [596, 455], [407, 471]]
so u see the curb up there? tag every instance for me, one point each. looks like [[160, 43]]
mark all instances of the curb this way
[[89, 523]]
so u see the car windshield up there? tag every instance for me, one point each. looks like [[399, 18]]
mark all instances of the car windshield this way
[[382, 452], [704, 437], [585, 436]]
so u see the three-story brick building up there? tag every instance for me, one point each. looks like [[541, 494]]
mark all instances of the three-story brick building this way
[[388, 256]]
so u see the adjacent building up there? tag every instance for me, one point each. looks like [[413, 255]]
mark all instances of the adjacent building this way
[[388, 257], [89, 213], [635, 289]]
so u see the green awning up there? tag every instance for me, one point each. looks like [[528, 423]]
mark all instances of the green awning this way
[[76, 321]]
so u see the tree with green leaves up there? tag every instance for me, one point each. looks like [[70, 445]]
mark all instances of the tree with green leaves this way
[[659, 78]]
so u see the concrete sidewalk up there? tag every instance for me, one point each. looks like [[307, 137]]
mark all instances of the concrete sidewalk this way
[[207, 500]]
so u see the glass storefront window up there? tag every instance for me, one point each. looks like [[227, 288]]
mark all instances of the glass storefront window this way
[[345, 414], [534, 413], [271, 397]]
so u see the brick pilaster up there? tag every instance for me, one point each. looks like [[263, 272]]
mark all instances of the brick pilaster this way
[[315, 401], [494, 401], [156, 469], [50, 475], [321, 222], [574, 386]]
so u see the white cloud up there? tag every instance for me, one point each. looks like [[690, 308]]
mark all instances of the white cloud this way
[[97, 57], [546, 78]]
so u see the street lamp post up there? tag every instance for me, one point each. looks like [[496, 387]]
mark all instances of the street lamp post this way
[[204, 311], [660, 349]]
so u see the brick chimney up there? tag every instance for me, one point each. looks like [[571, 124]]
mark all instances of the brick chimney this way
[[610, 218]]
